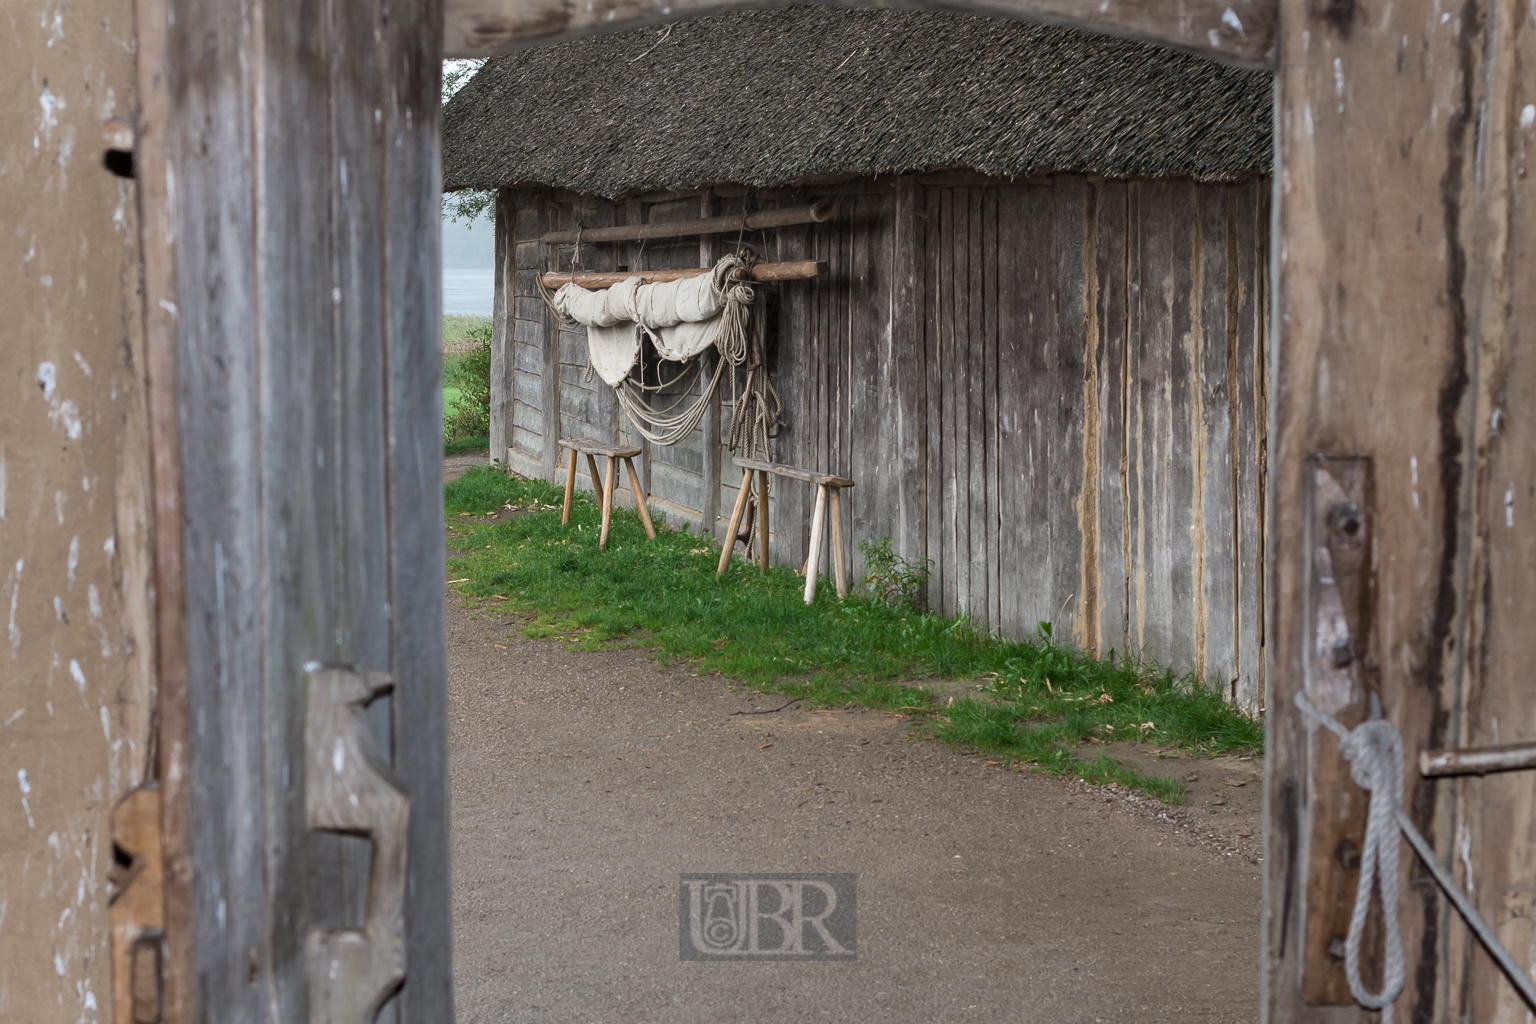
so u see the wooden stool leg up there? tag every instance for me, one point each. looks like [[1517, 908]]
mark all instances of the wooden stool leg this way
[[736, 513], [570, 486], [762, 520], [818, 524], [597, 484], [634, 487], [602, 543], [839, 557]]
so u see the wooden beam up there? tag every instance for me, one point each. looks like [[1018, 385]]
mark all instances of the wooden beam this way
[[1240, 32], [800, 270], [1404, 223], [816, 213]]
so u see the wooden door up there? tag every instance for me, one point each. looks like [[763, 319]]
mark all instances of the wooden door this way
[[289, 173], [1403, 388]]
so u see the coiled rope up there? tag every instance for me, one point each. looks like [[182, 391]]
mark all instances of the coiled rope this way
[[1374, 750], [739, 342]]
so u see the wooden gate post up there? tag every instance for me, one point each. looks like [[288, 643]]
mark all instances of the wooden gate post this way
[[288, 156], [1405, 252]]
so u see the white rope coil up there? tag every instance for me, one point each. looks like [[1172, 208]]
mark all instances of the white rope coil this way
[[1374, 750]]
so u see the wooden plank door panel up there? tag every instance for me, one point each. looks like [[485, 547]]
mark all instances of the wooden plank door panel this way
[[295, 253]]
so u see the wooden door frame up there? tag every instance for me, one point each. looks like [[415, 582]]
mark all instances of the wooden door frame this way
[[1395, 254]]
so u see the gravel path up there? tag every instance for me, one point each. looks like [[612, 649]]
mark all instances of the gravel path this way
[[584, 783]]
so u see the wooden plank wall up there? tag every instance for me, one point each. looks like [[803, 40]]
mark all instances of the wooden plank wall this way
[[1055, 390], [304, 322]]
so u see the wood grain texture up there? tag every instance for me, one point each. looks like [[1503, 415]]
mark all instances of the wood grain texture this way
[[1240, 33], [1398, 315], [302, 140], [503, 313], [158, 137], [1042, 387]]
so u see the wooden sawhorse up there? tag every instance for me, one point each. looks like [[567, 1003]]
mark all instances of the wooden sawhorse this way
[[828, 491], [603, 489]]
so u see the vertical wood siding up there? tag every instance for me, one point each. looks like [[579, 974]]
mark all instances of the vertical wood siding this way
[[1056, 391]]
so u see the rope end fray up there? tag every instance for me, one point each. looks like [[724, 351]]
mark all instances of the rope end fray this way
[[1374, 750]]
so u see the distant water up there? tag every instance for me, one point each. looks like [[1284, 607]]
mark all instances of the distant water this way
[[469, 291]]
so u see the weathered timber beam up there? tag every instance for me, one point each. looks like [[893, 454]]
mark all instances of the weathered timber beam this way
[[816, 213], [1477, 760], [799, 270], [1240, 32]]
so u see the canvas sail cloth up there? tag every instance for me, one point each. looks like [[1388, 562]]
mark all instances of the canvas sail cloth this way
[[682, 318]]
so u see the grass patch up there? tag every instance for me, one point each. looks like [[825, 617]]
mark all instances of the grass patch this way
[[466, 382], [459, 329], [458, 445], [1045, 699]]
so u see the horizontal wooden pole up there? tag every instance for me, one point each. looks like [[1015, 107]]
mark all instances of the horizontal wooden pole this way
[[1477, 760], [794, 472], [816, 213], [797, 270], [1240, 32]]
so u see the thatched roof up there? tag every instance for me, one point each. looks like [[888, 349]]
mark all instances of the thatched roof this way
[[772, 96]]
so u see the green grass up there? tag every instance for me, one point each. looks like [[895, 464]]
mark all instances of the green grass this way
[[1045, 701], [462, 328], [458, 445], [466, 382]]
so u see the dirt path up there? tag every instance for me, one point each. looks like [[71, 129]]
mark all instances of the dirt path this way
[[455, 465], [584, 784]]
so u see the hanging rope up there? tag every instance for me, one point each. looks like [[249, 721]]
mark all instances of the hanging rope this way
[[1374, 751]]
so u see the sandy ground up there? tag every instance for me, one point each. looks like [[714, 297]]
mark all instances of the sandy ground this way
[[455, 465], [583, 784]]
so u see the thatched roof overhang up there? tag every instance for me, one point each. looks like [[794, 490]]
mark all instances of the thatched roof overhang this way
[[771, 97]]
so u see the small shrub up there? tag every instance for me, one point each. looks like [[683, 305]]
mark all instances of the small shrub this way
[[469, 412], [894, 579]]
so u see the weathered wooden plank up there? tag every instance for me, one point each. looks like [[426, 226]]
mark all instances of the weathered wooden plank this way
[[953, 580], [358, 395], [1104, 570], [1247, 604], [1214, 300], [680, 486], [1036, 379], [796, 329], [906, 355], [1254, 307], [1243, 32], [1064, 429], [282, 411], [1087, 628], [528, 391], [524, 440], [1013, 339], [1156, 430], [709, 426], [158, 224], [977, 432], [504, 309], [868, 511], [221, 440], [412, 127], [549, 346], [633, 212], [791, 472], [1415, 234], [523, 307], [992, 511], [1497, 812], [526, 359]]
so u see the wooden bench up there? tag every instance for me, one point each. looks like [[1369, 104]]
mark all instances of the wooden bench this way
[[828, 491], [603, 489]]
